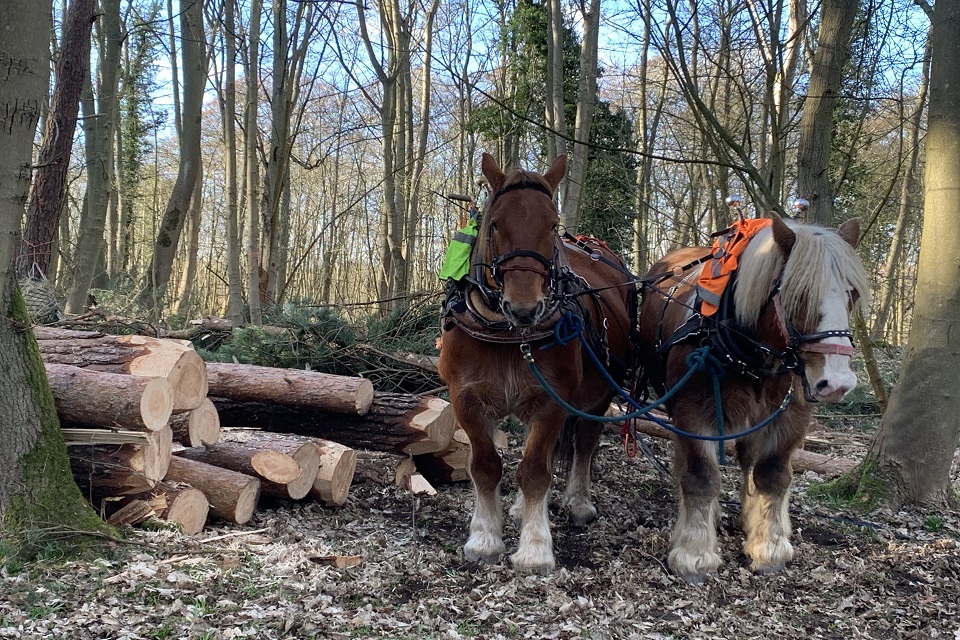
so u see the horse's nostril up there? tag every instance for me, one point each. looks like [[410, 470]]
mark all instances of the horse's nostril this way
[[823, 384]]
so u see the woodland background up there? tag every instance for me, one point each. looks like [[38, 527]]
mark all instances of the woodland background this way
[[237, 159]]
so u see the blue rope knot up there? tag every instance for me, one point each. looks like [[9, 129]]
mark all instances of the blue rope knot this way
[[568, 328], [703, 361]]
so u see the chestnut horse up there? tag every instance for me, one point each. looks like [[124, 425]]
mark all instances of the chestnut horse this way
[[524, 282], [783, 327]]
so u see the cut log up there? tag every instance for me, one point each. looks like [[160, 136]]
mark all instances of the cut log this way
[[303, 450], [114, 470], [384, 468], [173, 360], [131, 513], [397, 422], [290, 387], [232, 495], [268, 465], [197, 427], [78, 435], [418, 485], [110, 400], [451, 464], [340, 562], [177, 503], [338, 465]]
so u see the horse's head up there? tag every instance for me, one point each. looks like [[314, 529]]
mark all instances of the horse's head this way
[[517, 239], [821, 280]]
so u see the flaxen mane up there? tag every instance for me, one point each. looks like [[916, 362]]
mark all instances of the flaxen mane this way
[[819, 259]]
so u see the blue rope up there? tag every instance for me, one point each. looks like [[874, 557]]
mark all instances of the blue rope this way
[[697, 361]]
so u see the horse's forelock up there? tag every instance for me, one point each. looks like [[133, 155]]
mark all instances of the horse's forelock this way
[[819, 259]]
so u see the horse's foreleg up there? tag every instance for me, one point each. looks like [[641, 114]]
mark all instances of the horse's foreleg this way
[[694, 553], [764, 516], [486, 526], [577, 495], [534, 474]]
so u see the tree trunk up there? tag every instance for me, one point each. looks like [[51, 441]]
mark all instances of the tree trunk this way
[[46, 201], [37, 491], [98, 140], [556, 117], [229, 113], [816, 122], [914, 447], [586, 108], [197, 427], [189, 275], [194, 59], [253, 165], [906, 209]]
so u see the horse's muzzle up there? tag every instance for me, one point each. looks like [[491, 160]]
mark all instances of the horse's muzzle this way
[[523, 316]]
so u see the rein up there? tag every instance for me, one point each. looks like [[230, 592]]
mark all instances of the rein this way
[[699, 361]]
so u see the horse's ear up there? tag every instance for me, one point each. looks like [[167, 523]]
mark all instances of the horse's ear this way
[[557, 171], [782, 234], [491, 172], [850, 231]]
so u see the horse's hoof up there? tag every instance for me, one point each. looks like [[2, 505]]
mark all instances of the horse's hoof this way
[[770, 557], [541, 566], [533, 562], [484, 549], [693, 568], [487, 558], [582, 518]]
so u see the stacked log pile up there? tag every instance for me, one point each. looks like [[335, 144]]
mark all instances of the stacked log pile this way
[[154, 432]]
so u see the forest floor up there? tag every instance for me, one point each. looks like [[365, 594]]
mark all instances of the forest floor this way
[[877, 575]]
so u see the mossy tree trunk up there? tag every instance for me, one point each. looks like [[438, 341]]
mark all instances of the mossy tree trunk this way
[[914, 447], [37, 491]]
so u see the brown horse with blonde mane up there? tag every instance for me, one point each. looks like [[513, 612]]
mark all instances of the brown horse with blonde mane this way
[[524, 282], [780, 342]]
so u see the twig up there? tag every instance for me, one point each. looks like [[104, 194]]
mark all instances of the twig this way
[[234, 534]]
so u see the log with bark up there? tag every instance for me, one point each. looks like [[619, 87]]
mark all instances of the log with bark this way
[[380, 467], [114, 470], [197, 427], [290, 388], [174, 502], [338, 464], [232, 495], [173, 360], [110, 400], [397, 422], [302, 450]]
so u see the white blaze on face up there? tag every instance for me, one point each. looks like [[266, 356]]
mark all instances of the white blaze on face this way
[[837, 378]]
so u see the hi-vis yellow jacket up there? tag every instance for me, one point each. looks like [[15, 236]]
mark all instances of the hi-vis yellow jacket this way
[[727, 248]]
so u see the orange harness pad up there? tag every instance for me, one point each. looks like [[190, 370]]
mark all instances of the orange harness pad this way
[[726, 251]]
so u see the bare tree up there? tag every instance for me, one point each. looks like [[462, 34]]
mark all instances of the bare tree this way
[[906, 208], [914, 448], [98, 138], [46, 201], [193, 59], [586, 108], [816, 123], [250, 131], [37, 491]]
